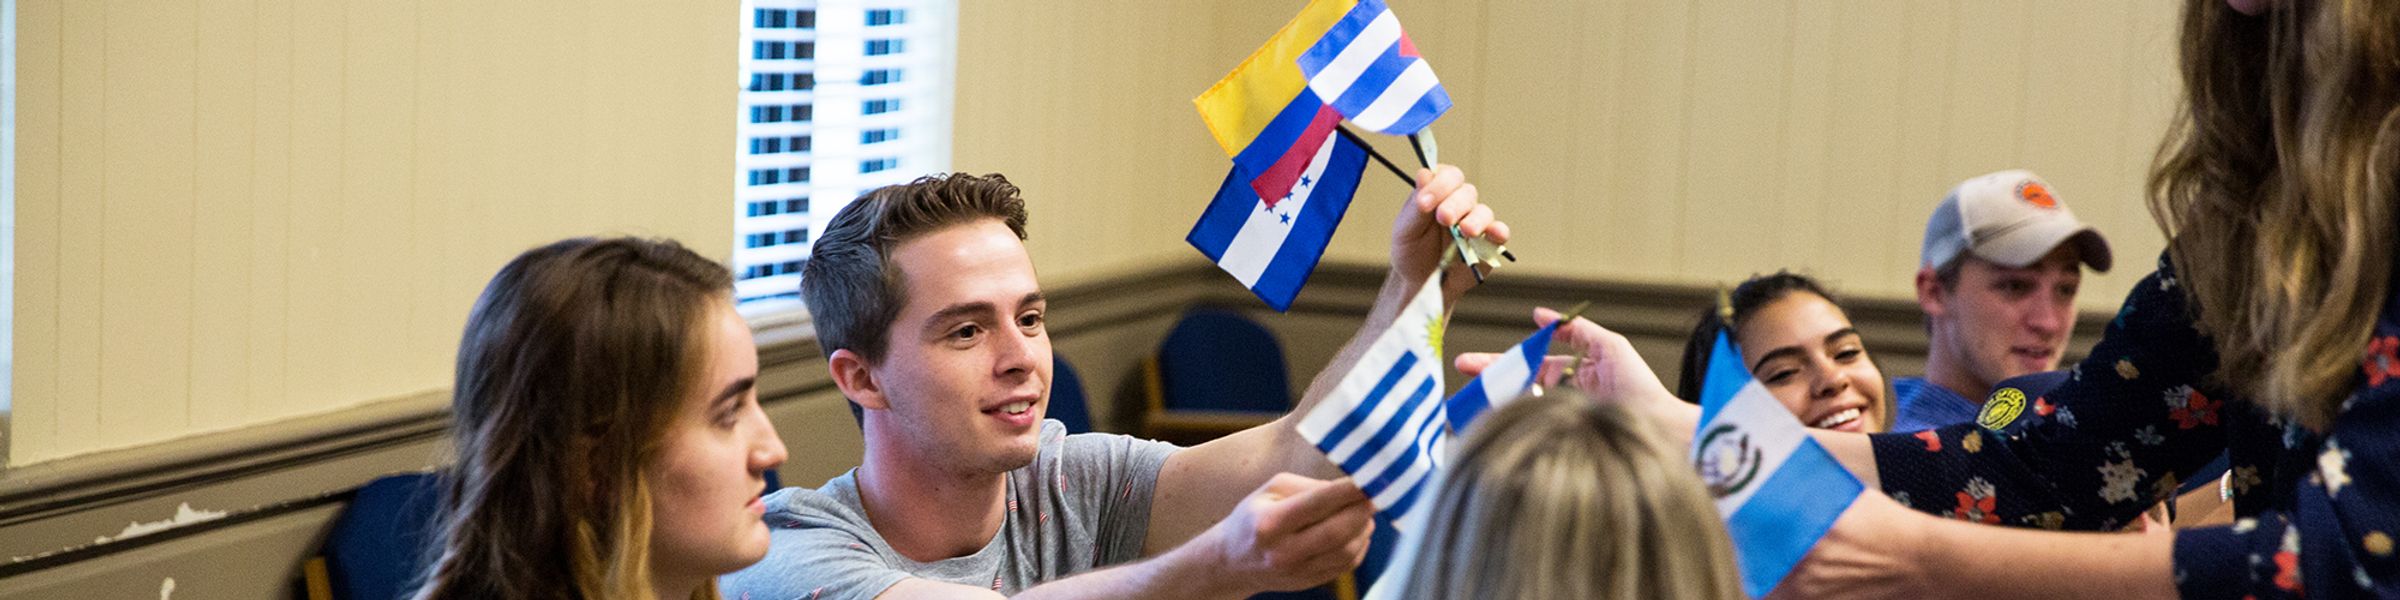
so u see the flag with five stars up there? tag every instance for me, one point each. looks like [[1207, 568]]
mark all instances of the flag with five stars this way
[[1272, 245]]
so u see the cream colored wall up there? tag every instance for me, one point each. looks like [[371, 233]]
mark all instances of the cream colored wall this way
[[1086, 105], [1702, 141], [237, 212], [1641, 140]]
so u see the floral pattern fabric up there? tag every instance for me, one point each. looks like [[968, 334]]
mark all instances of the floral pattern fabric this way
[[2317, 511]]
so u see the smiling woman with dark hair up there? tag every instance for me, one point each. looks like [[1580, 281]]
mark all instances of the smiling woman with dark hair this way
[[1800, 344]]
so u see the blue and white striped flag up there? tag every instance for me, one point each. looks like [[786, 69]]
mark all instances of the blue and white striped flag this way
[[1383, 423], [1505, 380], [1271, 246], [1777, 490], [1366, 67]]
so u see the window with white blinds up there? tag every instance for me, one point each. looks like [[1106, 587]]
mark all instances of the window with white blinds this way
[[839, 97]]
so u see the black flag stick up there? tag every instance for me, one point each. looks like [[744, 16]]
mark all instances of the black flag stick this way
[[1387, 163], [1419, 146], [1459, 239]]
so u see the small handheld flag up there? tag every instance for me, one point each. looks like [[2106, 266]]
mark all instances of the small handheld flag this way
[[1383, 423], [1777, 490], [1366, 67], [1508, 377], [1336, 58], [1271, 247]]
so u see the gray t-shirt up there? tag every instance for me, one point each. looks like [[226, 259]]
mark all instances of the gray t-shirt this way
[[1083, 503]]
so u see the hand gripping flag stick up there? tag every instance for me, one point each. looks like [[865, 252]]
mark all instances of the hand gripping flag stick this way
[[1472, 252]]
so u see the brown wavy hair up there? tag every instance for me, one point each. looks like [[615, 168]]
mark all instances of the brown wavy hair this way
[[2275, 190], [570, 372]]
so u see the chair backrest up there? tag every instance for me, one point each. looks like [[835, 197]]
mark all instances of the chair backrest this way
[[377, 547], [1217, 359], [1068, 403]]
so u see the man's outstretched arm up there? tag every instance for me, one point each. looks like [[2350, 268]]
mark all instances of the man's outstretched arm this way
[[1200, 484]]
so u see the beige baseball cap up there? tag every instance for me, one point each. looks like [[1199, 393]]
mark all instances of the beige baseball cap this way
[[2012, 218]]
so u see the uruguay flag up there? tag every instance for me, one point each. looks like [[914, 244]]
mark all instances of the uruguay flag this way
[[1777, 490], [1368, 70], [1505, 380], [1383, 423], [1271, 246]]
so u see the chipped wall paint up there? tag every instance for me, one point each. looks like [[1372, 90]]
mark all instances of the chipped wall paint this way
[[166, 589], [184, 515]]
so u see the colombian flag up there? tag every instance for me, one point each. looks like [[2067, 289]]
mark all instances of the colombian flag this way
[[1337, 59], [1263, 113]]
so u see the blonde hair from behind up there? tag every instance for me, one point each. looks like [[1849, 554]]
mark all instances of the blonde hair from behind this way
[[1562, 497]]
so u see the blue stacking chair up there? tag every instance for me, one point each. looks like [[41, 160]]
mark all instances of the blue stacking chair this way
[[1216, 373], [377, 547], [1068, 403]]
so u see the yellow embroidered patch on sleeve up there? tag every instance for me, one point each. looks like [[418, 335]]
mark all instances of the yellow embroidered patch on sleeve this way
[[2002, 409]]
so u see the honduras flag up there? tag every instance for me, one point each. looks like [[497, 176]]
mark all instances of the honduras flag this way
[[1366, 68], [1383, 423], [1506, 379], [1777, 490], [1271, 246]]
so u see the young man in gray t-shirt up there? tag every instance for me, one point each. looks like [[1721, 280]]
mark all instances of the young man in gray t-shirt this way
[[927, 307]]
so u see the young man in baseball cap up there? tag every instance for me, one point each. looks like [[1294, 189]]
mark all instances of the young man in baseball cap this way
[[2001, 263]]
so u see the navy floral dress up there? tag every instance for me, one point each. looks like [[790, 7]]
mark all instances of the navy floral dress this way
[[2316, 512]]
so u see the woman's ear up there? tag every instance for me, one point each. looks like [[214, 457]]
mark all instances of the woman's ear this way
[[856, 378]]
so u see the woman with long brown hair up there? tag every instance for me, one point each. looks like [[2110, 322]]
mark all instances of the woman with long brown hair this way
[[2270, 332], [609, 440]]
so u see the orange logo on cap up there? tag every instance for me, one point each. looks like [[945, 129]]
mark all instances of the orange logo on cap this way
[[2035, 194]]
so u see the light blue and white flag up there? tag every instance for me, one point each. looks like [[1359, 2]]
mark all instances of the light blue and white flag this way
[[1271, 246], [1368, 70], [1508, 377], [1777, 490], [1383, 423]]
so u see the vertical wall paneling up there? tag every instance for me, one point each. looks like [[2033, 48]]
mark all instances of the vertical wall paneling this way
[[40, 56], [81, 200], [267, 302], [241, 211], [1863, 152], [227, 38]]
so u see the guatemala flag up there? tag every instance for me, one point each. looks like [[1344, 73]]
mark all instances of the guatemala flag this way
[[1367, 69], [1271, 246], [1777, 490], [1383, 423], [1506, 379]]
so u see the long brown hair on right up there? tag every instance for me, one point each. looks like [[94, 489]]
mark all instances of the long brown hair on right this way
[[2275, 190], [574, 362], [1557, 496]]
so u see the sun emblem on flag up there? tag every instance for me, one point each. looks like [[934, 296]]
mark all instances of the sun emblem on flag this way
[[1726, 460], [1433, 335]]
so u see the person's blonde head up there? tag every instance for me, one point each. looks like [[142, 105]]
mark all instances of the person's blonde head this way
[[2276, 190], [1561, 497]]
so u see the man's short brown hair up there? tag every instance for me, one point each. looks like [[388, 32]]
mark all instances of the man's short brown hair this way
[[853, 290]]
